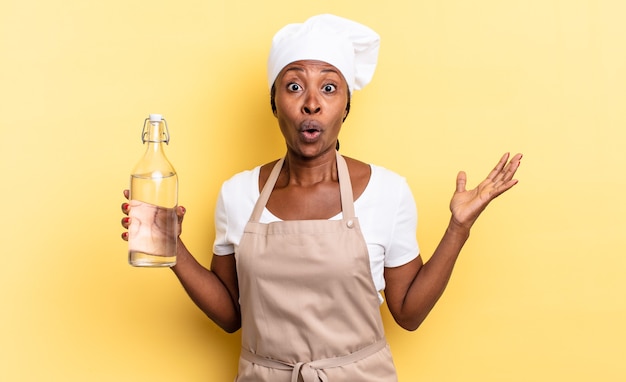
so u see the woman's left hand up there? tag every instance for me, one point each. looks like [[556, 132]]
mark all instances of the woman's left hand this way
[[467, 205]]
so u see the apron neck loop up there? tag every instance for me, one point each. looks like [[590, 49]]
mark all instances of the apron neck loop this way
[[345, 188]]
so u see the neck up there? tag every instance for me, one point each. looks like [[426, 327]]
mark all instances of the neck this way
[[303, 171]]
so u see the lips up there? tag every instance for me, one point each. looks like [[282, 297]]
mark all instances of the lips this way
[[310, 130]]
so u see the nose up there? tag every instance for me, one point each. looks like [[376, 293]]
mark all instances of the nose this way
[[311, 105]]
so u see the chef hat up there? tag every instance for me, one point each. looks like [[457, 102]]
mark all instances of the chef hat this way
[[347, 45]]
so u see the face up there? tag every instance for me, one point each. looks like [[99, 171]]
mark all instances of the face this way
[[311, 99]]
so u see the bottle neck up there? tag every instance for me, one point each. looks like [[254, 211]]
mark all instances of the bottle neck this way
[[155, 134], [154, 162]]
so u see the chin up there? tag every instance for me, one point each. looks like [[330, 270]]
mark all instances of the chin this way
[[312, 152]]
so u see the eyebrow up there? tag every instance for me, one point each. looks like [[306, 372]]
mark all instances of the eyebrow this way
[[294, 68], [300, 69]]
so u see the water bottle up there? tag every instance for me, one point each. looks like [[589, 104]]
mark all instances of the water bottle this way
[[152, 233]]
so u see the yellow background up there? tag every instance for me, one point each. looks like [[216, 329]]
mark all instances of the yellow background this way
[[539, 291]]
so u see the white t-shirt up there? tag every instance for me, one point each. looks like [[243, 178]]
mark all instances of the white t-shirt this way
[[386, 211]]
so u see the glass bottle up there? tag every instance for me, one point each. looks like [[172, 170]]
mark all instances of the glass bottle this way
[[152, 234]]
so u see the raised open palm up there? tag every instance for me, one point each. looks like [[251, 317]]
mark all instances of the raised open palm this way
[[466, 205]]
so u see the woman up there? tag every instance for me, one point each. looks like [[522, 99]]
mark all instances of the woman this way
[[304, 245]]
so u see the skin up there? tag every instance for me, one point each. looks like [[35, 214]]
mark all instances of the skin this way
[[311, 98]]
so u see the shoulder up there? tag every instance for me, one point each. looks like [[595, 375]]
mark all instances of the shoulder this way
[[373, 174], [264, 172], [357, 168], [245, 181], [360, 175], [362, 170], [383, 175], [377, 183], [389, 188], [237, 197]]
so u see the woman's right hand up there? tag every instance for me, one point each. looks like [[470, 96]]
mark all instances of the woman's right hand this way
[[180, 214], [126, 219]]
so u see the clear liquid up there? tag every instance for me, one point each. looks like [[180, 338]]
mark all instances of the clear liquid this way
[[153, 230]]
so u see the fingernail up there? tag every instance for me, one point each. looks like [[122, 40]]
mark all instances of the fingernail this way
[[126, 220], [125, 235], [125, 206], [183, 209]]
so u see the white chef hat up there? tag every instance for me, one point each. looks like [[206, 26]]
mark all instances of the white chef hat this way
[[347, 45]]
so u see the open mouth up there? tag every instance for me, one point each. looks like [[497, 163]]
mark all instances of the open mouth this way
[[310, 130], [310, 134]]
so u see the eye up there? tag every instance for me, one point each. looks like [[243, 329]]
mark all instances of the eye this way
[[294, 87], [329, 88]]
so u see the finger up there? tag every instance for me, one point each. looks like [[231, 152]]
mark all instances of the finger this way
[[125, 208], [515, 158], [507, 181], [127, 194], [125, 236], [511, 168], [125, 222], [461, 181], [180, 212], [504, 187], [497, 170]]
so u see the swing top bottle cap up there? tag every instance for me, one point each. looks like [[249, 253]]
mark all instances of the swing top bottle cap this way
[[156, 117]]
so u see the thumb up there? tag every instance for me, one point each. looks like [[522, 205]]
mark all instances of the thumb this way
[[461, 181]]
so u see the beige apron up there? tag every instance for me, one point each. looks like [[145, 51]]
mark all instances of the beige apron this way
[[309, 307]]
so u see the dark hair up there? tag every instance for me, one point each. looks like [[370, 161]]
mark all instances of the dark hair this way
[[273, 101]]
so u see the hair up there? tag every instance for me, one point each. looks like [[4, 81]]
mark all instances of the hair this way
[[273, 101]]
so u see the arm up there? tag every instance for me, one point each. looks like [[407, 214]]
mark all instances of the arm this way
[[413, 289], [214, 291]]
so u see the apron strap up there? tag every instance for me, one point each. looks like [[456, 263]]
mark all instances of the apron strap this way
[[314, 371], [345, 188], [266, 191]]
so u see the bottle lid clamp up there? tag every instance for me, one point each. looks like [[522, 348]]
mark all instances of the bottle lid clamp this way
[[155, 118]]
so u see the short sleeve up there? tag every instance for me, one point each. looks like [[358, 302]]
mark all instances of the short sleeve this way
[[233, 208], [221, 245], [403, 245]]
